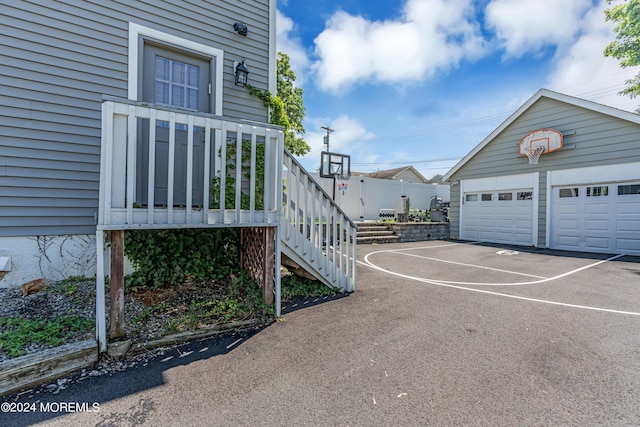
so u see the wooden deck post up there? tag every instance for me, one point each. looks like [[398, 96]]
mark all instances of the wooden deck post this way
[[116, 327], [269, 265]]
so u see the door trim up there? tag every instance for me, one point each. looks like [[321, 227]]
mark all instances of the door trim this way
[[136, 31]]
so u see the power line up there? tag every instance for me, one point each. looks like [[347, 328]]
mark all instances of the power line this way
[[326, 138], [411, 161], [597, 93]]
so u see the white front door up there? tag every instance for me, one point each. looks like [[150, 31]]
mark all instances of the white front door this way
[[596, 218]]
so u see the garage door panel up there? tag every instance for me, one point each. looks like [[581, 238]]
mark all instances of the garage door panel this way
[[524, 210], [624, 225], [472, 235], [597, 225], [568, 241], [569, 209], [603, 221], [628, 208], [487, 236], [629, 245], [504, 223], [487, 223], [599, 243], [568, 224], [597, 208], [501, 236], [523, 238], [472, 223]]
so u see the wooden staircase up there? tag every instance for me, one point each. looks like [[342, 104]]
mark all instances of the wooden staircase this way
[[316, 235], [374, 232]]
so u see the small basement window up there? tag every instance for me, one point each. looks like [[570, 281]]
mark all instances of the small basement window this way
[[525, 195], [624, 190], [505, 196], [471, 198], [597, 191], [487, 197], [568, 192]]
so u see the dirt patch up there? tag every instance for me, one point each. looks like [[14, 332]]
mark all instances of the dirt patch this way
[[149, 313]]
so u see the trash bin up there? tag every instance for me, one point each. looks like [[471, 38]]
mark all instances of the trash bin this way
[[436, 209], [402, 208]]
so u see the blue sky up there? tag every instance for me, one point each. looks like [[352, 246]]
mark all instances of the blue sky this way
[[422, 82]]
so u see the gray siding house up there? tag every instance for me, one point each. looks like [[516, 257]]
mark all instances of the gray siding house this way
[[584, 196], [59, 58]]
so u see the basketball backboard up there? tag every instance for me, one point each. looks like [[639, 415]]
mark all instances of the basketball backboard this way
[[333, 164], [546, 140]]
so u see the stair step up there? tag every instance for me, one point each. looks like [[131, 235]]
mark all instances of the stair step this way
[[379, 239], [374, 233], [373, 227]]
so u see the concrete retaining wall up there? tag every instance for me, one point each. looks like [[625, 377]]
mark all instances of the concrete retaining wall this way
[[419, 231]]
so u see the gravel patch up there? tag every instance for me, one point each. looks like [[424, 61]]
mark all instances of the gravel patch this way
[[149, 314]]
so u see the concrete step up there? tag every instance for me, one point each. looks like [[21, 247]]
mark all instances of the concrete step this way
[[373, 233], [373, 228], [377, 239]]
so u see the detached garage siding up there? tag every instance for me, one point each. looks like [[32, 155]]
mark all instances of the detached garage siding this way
[[597, 140]]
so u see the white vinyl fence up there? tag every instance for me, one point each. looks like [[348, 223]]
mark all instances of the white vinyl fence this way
[[365, 196]]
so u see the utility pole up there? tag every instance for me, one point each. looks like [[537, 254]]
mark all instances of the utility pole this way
[[326, 138]]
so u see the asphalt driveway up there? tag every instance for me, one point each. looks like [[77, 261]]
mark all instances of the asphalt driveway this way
[[437, 333]]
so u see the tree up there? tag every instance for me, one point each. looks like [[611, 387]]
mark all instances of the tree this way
[[627, 46], [435, 179], [286, 107]]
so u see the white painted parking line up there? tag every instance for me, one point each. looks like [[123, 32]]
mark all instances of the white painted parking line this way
[[369, 264], [534, 282], [472, 265]]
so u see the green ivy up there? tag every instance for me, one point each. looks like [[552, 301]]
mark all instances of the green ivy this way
[[163, 258], [230, 181], [296, 286]]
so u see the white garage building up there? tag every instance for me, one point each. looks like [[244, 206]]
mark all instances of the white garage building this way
[[584, 196]]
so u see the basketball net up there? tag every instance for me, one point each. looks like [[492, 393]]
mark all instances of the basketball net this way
[[535, 154], [343, 182]]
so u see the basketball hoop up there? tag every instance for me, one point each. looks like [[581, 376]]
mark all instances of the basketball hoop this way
[[343, 182], [538, 142], [534, 154]]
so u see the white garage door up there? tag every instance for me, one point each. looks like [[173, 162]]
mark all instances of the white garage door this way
[[596, 218], [504, 216]]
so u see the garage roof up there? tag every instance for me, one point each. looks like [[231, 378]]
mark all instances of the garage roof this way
[[579, 102]]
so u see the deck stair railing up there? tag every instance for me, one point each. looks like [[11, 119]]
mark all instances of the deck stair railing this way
[[316, 233]]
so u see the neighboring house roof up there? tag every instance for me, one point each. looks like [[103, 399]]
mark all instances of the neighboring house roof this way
[[393, 174], [578, 102]]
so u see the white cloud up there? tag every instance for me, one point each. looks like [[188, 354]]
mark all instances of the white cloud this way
[[526, 26], [582, 70], [432, 35], [346, 130], [286, 42]]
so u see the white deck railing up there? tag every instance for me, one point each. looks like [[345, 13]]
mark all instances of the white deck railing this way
[[310, 228], [316, 232], [127, 124]]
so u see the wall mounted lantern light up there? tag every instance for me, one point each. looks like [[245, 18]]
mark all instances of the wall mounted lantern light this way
[[241, 72], [241, 28]]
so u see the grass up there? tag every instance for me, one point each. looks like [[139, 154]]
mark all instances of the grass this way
[[241, 300], [18, 333]]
